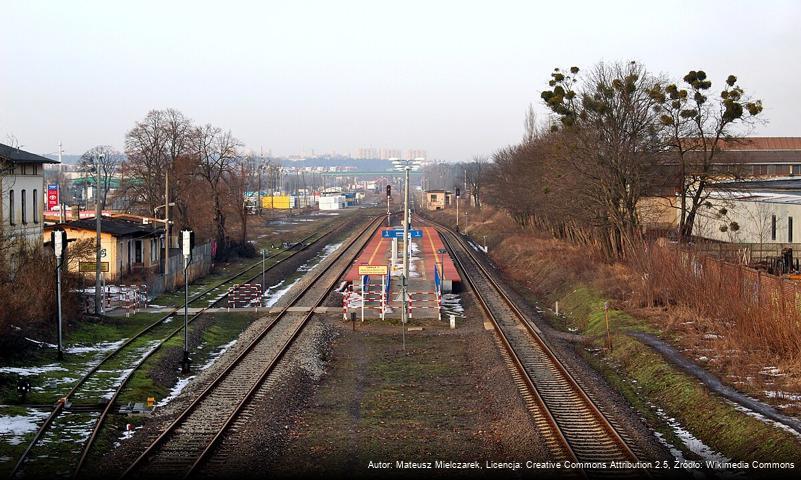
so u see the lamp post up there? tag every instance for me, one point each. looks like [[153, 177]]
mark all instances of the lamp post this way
[[406, 166]]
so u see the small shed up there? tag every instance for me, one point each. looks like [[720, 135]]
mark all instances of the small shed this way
[[437, 199]]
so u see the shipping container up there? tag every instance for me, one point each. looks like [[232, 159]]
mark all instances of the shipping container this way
[[279, 202]]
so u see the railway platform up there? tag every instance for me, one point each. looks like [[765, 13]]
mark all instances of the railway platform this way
[[425, 286]]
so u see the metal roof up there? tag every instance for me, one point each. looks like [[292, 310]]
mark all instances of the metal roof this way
[[15, 155], [117, 227]]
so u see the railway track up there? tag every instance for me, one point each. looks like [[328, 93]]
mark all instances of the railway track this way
[[186, 444], [575, 428], [96, 387]]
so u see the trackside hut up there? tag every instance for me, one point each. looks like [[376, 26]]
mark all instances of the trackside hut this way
[[437, 199], [126, 246]]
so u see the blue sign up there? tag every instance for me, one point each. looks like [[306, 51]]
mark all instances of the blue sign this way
[[399, 233]]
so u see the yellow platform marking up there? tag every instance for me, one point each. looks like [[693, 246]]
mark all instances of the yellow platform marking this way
[[433, 249], [370, 262]]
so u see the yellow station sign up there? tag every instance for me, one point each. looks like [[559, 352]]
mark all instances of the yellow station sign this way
[[372, 269]]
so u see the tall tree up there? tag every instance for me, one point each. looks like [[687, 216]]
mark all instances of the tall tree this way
[[148, 160], [475, 172], [696, 127], [610, 129], [217, 155]]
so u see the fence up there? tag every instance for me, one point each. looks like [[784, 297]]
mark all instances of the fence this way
[[746, 252], [200, 266], [763, 310]]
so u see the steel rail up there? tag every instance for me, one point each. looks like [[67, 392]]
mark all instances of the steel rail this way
[[208, 390], [61, 403], [600, 418]]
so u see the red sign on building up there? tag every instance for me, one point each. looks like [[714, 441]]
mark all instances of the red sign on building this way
[[52, 196]]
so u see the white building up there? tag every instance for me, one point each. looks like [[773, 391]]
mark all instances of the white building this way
[[23, 194], [759, 215]]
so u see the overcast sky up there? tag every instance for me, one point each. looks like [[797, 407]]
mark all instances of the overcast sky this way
[[454, 78]]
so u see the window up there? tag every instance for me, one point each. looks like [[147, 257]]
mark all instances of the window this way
[[11, 212], [433, 198], [796, 169], [773, 227], [789, 229], [35, 201], [138, 251], [24, 207]]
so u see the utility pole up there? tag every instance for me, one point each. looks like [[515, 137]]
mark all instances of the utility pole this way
[[258, 194], [98, 249]]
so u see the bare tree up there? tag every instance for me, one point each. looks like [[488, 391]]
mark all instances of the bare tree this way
[[103, 163], [148, 160], [217, 155], [609, 142], [475, 171], [697, 126]]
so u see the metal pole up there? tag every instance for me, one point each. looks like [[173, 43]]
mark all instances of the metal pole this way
[[405, 276], [185, 362], [363, 294], [58, 293], [389, 223], [167, 228], [258, 196], [98, 248], [263, 285], [457, 213]]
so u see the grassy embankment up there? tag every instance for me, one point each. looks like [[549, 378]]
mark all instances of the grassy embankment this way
[[545, 271]]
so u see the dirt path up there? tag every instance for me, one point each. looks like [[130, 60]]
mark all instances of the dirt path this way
[[448, 397], [713, 382]]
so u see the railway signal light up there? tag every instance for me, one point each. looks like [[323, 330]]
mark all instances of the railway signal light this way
[[389, 190], [59, 240], [187, 244]]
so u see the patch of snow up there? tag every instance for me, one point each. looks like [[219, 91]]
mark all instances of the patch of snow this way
[[183, 382], [677, 454], [782, 395], [764, 419], [271, 295], [690, 441], [31, 371], [325, 253], [772, 372], [98, 347], [13, 428], [41, 344]]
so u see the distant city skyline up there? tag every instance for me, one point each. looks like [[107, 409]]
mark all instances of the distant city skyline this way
[[452, 78]]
